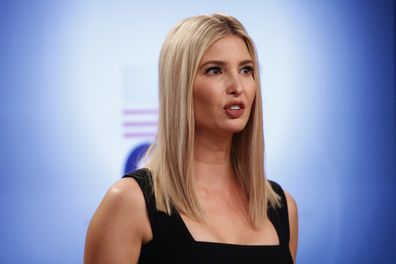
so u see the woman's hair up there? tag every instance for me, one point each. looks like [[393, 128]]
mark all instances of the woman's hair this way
[[170, 158]]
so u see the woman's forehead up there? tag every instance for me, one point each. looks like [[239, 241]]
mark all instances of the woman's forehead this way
[[227, 48]]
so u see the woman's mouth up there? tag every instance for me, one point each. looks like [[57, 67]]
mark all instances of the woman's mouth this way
[[234, 111]]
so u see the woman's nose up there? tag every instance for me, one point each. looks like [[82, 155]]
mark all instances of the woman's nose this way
[[234, 85]]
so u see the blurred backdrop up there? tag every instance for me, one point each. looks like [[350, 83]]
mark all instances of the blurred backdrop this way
[[78, 105]]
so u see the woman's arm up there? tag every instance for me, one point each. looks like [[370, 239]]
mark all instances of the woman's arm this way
[[119, 226], [293, 223]]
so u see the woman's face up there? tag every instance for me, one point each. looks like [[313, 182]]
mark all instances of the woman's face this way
[[224, 88]]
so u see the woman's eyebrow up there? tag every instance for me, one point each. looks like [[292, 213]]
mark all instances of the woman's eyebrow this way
[[216, 62], [224, 63], [244, 62]]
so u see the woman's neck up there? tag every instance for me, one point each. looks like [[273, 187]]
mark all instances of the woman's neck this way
[[212, 161]]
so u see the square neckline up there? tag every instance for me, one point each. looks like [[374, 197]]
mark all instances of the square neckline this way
[[224, 244]]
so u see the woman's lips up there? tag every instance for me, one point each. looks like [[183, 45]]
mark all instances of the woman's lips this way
[[234, 111]]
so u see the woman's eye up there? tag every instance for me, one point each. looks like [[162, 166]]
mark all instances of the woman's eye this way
[[247, 69], [213, 70]]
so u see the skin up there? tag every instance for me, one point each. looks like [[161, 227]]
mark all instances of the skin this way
[[225, 75], [120, 225]]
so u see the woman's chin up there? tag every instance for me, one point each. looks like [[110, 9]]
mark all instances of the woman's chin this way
[[238, 124], [227, 128], [235, 128]]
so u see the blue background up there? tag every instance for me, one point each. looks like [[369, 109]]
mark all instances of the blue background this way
[[68, 71]]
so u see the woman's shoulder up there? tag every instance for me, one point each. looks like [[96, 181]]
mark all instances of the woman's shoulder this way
[[290, 206], [125, 192], [284, 194], [142, 177], [126, 197], [120, 219], [276, 187]]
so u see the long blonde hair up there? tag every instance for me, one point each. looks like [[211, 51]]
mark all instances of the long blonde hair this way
[[170, 158]]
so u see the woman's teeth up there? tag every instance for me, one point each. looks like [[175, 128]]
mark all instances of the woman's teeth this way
[[235, 107]]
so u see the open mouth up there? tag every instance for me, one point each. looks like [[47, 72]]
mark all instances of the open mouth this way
[[234, 110]]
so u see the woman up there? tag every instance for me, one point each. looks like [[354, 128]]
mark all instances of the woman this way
[[203, 196]]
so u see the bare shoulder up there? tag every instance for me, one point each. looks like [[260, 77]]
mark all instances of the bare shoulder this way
[[293, 224], [119, 226], [291, 204]]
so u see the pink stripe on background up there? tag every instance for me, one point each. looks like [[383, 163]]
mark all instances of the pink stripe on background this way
[[139, 134], [140, 123]]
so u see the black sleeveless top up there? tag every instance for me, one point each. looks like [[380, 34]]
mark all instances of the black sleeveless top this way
[[173, 243]]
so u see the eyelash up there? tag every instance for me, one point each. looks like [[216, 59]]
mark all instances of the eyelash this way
[[250, 69], [217, 70], [211, 70]]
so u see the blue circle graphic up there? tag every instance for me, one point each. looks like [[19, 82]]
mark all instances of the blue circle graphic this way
[[133, 159]]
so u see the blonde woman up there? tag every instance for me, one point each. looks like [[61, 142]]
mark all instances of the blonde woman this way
[[203, 196]]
